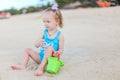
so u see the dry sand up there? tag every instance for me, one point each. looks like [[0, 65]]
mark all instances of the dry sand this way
[[92, 45]]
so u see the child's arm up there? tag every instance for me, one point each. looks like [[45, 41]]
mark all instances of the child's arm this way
[[61, 46], [40, 41]]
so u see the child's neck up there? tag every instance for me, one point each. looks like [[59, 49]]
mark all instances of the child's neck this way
[[52, 32]]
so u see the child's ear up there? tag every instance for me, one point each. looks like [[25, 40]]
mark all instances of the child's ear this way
[[58, 21]]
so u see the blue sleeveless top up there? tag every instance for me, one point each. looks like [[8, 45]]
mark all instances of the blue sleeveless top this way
[[53, 42]]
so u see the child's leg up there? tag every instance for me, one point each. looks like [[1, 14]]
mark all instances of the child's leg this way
[[28, 53], [49, 51]]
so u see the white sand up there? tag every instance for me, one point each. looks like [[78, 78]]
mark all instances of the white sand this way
[[92, 45]]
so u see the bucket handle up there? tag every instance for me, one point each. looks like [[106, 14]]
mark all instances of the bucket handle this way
[[58, 56], [61, 63]]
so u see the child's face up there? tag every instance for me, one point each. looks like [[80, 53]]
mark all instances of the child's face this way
[[50, 21]]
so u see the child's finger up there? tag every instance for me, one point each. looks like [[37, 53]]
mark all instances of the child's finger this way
[[58, 52], [42, 43], [43, 39], [55, 53]]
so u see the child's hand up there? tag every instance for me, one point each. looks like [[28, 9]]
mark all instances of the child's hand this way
[[39, 43], [56, 53]]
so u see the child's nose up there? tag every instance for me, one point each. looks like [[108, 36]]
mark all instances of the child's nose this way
[[45, 24]]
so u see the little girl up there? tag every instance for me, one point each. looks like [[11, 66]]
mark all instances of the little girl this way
[[51, 42]]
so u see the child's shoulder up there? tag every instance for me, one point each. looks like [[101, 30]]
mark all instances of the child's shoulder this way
[[61, 36]]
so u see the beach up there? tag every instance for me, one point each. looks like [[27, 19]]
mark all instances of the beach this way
[[92, 45]]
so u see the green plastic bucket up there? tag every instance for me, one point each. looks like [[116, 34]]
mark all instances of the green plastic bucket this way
[[54, 65]]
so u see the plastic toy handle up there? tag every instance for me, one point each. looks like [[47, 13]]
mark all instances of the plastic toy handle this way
[[58, 56]]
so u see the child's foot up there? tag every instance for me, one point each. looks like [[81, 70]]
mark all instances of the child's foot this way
[[17, 67], [39, 73]]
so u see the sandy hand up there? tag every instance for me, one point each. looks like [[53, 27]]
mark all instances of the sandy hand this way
[[56, 53], [39, 43]]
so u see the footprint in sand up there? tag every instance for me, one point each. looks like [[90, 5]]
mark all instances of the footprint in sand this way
[[34, 67]]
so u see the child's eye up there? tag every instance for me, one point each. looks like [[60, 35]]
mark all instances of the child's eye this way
[[48, 21]]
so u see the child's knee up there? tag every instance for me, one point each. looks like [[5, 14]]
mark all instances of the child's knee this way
[[49, 49], [27, 50]]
